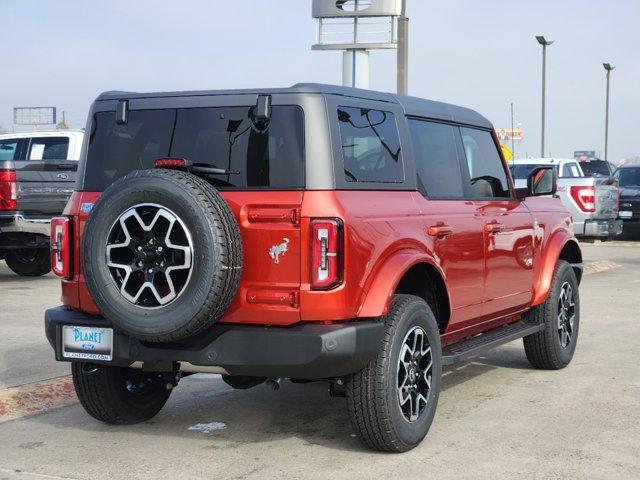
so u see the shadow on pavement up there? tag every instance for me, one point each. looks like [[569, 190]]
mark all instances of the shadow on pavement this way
[[259, 415]]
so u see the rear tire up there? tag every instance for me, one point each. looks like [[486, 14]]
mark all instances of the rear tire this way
[[29, 262], [375, 394], [119, 396], [553, 347]]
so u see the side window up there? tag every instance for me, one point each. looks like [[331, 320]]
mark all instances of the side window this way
[[570, 170], [8, 149], [370, 145], [487, 175], [49, 148], [437, 160]]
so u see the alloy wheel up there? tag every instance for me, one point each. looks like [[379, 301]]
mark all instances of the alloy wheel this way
[[415, 367], [149, 254]]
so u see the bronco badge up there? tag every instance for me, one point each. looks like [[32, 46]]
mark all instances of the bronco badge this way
[[277, 250]]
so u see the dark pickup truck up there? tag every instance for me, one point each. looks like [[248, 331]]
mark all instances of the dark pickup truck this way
[[37, 176]]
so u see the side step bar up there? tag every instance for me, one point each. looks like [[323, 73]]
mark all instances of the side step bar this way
[[479, 344]]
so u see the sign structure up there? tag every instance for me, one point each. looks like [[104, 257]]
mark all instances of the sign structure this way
[[34, 116], [584, 155], [507, 134], [356, 24]]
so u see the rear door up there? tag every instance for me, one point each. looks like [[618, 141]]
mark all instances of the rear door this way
[[506, 222], [46, 177], [449, 219]]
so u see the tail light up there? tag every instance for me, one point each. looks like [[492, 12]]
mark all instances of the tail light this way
[[585, 198], [326, 255], [61, 246], [8, 190]]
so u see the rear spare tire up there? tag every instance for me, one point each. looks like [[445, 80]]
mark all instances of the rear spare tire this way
[[162, 255]]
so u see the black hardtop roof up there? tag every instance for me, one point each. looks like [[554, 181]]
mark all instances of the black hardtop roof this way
[[412, 105]]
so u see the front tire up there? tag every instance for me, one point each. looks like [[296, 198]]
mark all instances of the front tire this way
[[392, 401], [553, 347], [119, 396], [29, 262]]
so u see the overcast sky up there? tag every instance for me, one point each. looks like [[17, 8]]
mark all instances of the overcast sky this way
[[480, 54]]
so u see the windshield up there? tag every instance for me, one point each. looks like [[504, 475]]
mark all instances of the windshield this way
[[249, 155], [595, 167], [629, 177]]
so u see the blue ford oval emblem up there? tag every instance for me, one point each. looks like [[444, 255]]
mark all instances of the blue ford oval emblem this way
[[62, 176]]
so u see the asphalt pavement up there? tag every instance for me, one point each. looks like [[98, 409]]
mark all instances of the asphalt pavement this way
[[497, 417]]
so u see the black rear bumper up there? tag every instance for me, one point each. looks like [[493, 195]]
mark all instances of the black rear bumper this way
[[305, 351]]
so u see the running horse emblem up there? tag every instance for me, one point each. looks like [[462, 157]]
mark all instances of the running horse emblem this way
[[277, 250]]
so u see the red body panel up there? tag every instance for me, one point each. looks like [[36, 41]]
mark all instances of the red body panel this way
[[496, 257]]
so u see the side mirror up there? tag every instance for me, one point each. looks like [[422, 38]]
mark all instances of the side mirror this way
[[542, 181]]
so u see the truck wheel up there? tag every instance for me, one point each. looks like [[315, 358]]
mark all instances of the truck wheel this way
[[29, 262], [553, 347], [392, 401], [162, 255], [119, 396]]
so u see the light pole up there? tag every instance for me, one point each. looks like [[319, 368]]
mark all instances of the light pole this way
[[608, 67], [403, 51], [545, 43]]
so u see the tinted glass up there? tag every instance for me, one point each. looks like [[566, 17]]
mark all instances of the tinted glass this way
[[8, 149], [486, 171], [253, 155], [629, 177], [49, 148], [117, 149], [437, 160], [370, 146], [595, 167]]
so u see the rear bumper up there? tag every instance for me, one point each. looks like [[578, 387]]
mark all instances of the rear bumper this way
[[305, 351], [598, 228], [14, 222]]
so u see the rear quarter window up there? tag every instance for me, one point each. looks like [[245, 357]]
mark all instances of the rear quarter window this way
[[370, 146]]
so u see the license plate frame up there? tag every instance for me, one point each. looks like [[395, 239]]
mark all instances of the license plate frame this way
[[87, 343]]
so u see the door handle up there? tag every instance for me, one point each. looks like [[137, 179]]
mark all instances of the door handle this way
[[439, 231], [493, 227]]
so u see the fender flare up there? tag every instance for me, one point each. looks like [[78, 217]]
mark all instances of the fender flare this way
[[384, 281], [551, 254]]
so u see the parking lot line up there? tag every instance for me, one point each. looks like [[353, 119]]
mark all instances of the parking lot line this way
[[599, 266], [34, 398]]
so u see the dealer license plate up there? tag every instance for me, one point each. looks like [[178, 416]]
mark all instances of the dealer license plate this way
[[625, 214], [89, 343]]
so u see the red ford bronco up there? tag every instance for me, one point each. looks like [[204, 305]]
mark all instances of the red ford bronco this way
[[309, 233]]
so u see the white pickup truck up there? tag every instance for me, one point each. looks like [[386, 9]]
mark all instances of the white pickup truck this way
[[592, 201], [37, 176]]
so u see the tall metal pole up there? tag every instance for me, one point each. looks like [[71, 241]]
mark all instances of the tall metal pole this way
[[403, 51], [542, 41], [513, 145], [608, 68]]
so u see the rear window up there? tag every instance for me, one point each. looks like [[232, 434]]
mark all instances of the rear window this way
[[595, 167], [8, 149], [49, 148], [253, 156]]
